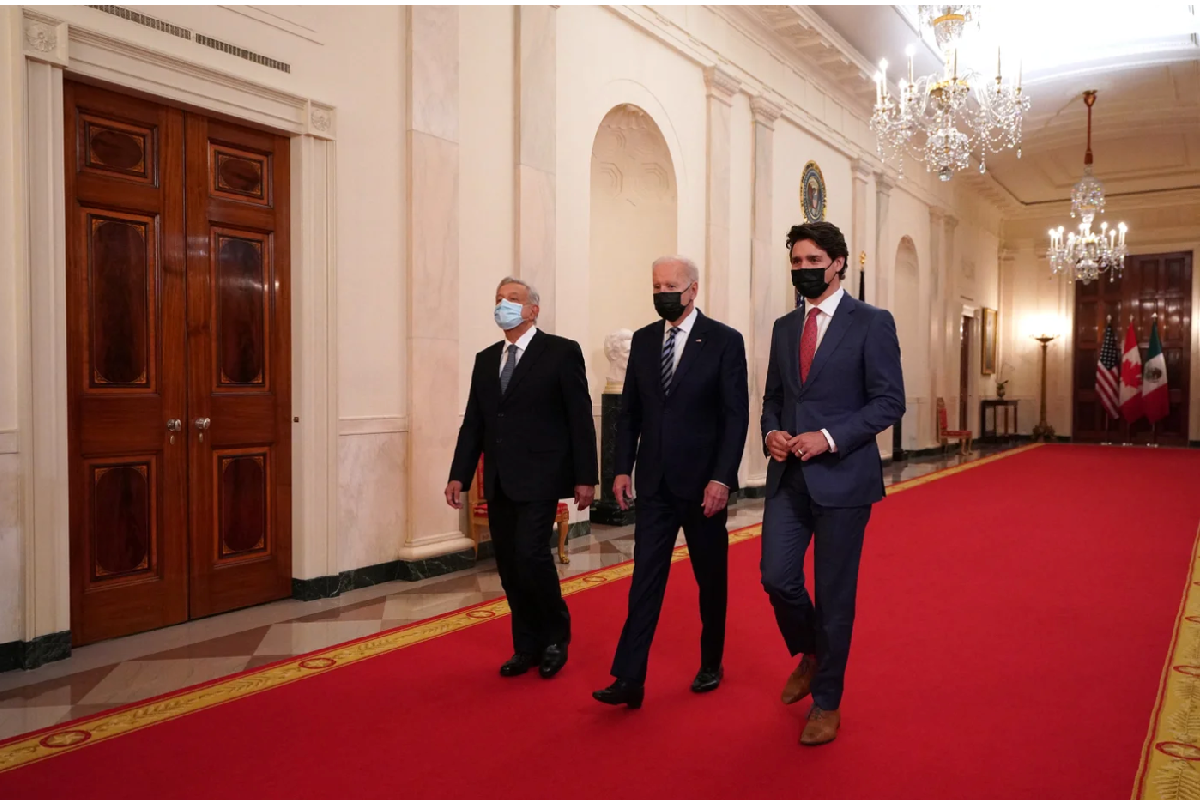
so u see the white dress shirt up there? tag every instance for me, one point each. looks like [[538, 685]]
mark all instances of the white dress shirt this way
[[681, 338], [522, 344], [828, 307]]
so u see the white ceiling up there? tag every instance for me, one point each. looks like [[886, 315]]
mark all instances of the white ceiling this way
[[1145, 68]]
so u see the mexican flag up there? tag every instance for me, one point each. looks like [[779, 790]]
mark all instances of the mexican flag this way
[[1154, 376]]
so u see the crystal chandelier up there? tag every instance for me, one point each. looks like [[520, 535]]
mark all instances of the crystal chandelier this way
[[1088, 255], [935, 105]]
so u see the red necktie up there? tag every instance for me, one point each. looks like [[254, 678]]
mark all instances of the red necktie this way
[[808, 343]]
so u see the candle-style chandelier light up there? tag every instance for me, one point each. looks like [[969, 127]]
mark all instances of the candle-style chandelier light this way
[[1087, 255], [924, 120]]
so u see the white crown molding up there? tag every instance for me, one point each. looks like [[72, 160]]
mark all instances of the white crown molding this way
[[91, 53], [365, 426], [9, 442]]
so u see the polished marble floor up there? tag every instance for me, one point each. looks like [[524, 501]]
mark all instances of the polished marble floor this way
[[106, 675]]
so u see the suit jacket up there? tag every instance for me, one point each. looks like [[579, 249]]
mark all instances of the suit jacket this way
[[696, 433], [855, 390], [538, 437]]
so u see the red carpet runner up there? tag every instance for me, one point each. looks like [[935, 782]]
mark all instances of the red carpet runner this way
[[1013, 624]]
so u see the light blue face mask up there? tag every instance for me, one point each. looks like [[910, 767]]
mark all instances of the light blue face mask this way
[[508, 314]]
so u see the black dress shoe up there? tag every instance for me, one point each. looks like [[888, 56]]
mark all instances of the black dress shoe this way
[[622, 692], [553, 660], [708, 679], [519, 664]]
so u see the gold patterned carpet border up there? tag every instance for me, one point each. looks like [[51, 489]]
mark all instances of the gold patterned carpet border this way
[[1170, 764], [71, 736]]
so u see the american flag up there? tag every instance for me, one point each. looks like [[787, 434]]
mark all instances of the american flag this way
[[1106, 372]]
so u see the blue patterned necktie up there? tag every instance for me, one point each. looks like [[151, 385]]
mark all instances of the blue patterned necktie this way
[[509, 367], [668, 359]]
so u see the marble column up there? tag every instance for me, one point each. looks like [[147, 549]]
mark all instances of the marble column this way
[[766, 257], [860, 173], [721, 88], [946, 313], [536, 130], [937, 268], [433, 282], [884, 265]]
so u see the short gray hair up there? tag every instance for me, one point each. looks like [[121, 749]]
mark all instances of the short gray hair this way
[[689, 266], [534, 297]]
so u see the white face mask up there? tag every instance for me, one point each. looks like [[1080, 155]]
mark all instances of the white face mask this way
[[508, 314]]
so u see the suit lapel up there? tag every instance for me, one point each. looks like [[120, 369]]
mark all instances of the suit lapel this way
[[494, 362], [838, 325], [795, 327], [691, 351], [531, 354]]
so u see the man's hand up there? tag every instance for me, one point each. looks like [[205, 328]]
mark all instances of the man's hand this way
[[778, 445], [808, 445], [623, 490], [584, 495], [454, 494], [715, 498]]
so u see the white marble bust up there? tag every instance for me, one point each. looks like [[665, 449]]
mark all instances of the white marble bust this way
[[616, 350]]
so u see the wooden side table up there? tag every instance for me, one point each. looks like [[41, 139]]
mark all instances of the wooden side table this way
[[1011, 425]]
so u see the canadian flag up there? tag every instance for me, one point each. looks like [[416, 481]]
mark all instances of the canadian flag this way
[[1154, 396], [1131, 378]]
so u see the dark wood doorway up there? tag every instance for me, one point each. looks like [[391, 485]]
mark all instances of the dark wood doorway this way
[[178, 347], [964, 372], [1151, 285]]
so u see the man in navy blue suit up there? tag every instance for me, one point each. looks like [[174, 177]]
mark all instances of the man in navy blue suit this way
[[684, 417], [833, 383]]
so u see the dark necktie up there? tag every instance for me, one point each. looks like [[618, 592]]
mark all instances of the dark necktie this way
[[510, 366], [668, 359]]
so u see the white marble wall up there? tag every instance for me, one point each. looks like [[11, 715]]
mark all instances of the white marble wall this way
[[537, 123], [11, 563], [372, 471]]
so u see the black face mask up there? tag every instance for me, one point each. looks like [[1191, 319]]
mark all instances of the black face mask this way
[[668, 305], [811, 282]]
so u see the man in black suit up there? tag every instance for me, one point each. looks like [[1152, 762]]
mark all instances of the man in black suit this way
[[684, 417], [529, 413], [833, 384]]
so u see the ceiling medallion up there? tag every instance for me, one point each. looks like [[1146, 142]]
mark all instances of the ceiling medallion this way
[[1087, 255], [924, 120]]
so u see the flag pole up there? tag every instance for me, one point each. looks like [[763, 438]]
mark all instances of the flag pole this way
[[1107, 417]]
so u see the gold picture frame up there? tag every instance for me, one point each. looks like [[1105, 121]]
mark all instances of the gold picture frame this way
[[987, 339]]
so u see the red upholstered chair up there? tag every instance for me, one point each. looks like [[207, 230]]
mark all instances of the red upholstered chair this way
[[477, 507], [946, 436]]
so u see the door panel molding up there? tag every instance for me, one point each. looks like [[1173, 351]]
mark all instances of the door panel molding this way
[[51, 47]]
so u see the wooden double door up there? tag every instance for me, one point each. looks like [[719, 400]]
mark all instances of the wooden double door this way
[[1152, 287], [179, 367]]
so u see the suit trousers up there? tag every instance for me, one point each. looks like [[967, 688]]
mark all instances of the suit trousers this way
[[521, 538], [791, 519], [659, 518]]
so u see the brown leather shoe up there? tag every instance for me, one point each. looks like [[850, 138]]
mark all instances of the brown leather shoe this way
[[799, 683], [822, 726]]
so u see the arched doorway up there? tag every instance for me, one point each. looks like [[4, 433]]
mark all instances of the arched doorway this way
[[634, 220]]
